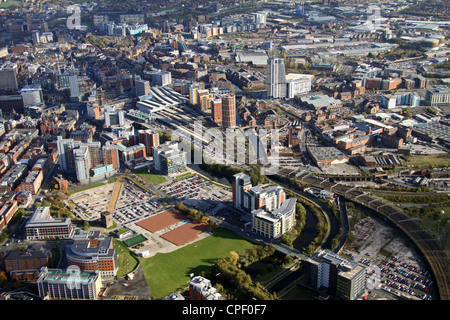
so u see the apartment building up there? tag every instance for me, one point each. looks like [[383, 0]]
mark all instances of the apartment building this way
[[25, 265], [272, 214]]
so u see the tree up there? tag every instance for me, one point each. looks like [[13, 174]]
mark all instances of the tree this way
[[3, 278], [234, 257], [407, 113]]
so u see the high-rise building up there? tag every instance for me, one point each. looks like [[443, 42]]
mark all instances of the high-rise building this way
[[158, 77], [86, 159], [276, 78], [216, 109], [110, 155], [272, 214], [204, 99], [95, 153], [82, 162], [142, 87], [229, 111], [149, 138], [8, 78], [65, 153], [74, 88], [342, 278], [193, 96]]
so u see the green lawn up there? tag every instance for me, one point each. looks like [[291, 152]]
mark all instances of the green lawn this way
[[150, 177], [167, 272], [127, 262]]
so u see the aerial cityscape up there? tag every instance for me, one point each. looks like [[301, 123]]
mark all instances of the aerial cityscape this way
[[232, 150]]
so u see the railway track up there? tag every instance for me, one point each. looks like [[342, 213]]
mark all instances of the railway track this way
[[435, 255]]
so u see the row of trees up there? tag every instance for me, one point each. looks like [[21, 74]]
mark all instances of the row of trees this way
[[230, 268], [193, 214], [300, 221]]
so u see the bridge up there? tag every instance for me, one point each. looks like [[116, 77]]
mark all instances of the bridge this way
[[285, 249]]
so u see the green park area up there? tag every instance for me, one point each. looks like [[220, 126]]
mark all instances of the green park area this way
[[127, 261], [167, 272], [150, 177]]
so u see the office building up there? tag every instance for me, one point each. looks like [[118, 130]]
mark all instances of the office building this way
[[7, 210], [110, 155], [297, 84], [74, 88], [228, 111], [32, 182], [65, 284], [91, 252], [32, 95], [342, 278], [114, 117], [41, 226], [158, 77], [142, 87], [168, 159], [437, 96], [8, 78], [398, 100]]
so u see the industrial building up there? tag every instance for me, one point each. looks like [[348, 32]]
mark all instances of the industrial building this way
[[323, 156]]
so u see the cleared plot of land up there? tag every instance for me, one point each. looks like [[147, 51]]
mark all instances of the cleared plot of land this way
[[161, 221], [429, 160], [184, 234]]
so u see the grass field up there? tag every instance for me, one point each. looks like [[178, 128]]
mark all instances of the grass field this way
[[429, 160], [127, 262], [167, 272], [150, 177]]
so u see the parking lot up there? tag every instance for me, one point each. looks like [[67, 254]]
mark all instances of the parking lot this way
[[392, 260], [195, 187], [135, 204]]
